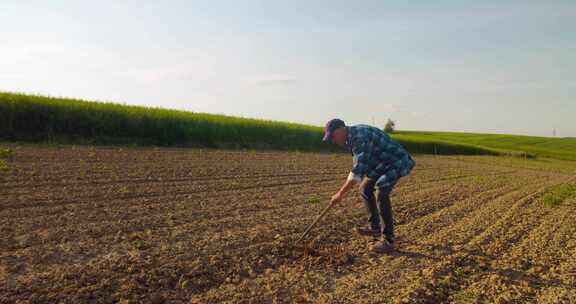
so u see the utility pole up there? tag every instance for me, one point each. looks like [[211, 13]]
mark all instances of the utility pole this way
[[554, 132]]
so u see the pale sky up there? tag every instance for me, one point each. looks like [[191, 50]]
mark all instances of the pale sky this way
[[482, 66]]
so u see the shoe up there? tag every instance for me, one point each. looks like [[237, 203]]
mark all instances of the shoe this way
[[367, 231], [383, 245]]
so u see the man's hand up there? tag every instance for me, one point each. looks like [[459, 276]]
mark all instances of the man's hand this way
[[336, 198]]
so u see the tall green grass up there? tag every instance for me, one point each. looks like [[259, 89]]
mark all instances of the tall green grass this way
[[46, 119], [5, 155], [518, 145], [62, 120], [439, 147]]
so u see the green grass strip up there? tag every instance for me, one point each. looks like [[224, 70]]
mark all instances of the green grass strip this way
[[40, 119], [559, 194]]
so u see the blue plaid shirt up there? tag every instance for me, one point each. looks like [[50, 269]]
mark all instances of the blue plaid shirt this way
[[376, 155]]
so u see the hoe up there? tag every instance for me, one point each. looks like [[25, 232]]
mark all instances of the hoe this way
[[322, 214]]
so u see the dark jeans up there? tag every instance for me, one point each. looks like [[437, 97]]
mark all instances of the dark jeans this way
[[383, 209]]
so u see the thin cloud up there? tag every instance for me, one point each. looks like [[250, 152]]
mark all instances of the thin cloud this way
[[276, 81]]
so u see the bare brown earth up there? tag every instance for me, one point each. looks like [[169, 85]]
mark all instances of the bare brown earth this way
[[112, 225]]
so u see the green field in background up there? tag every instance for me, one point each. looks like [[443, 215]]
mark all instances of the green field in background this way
[[32, 118]]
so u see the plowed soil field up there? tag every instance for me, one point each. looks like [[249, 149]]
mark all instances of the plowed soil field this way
[[112, 225]]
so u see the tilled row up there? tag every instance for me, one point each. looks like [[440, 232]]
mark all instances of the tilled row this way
[[376, 279], [210, 226], [199, 208], [364, 280]]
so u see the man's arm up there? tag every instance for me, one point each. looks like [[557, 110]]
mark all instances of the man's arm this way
[[359, 168], [350, 182], [336, 198]]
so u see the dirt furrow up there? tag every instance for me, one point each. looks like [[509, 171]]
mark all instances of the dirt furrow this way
[[109, 225], [367, 264], [442, 282]]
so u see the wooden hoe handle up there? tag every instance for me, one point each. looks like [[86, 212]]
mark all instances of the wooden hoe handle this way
[[316, 221]]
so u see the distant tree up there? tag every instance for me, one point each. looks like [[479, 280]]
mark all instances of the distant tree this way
[[390, 126]]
